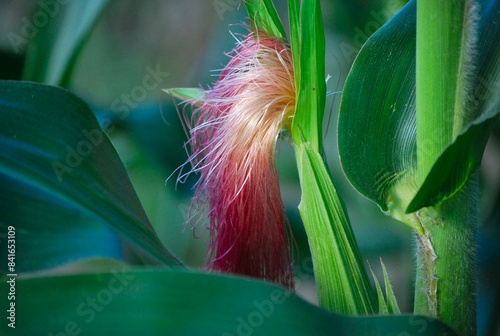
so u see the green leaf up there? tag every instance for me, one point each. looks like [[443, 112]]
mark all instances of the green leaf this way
[[376, 132], [53, 52], [341, 279], [84, 266], [457, 163], [124, 301], [54, 151], [186, 93], [311, 91], [377, 120], [389, 293], [50, 231], [388, 304], [382, 305], [264, 17], [294, 18]]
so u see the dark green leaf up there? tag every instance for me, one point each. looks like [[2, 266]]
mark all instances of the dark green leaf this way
[[54, 152], [49, 231], [165, 302], [376, 133]]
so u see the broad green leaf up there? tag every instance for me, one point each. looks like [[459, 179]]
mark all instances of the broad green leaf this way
[[54, 50], [264, 17], [343, 285], [376, 132], [311, 91], [54, 149], [49, 231], [377, 121], [124, 301]]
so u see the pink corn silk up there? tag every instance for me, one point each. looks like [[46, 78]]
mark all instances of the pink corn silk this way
[[233, 139]]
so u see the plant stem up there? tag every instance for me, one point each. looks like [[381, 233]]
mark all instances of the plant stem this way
[[441, 28], [445, 285]]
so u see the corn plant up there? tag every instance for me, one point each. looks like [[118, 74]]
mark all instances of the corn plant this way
[[416, 111]]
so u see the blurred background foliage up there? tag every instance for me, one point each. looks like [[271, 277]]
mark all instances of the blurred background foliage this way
[[187, 39]]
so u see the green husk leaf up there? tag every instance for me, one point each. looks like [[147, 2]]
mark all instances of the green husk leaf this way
[[341, 278], [311, 91], [294, 15], [264, 17]]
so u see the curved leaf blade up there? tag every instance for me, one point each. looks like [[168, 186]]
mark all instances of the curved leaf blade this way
[[48, 230], [376, 132], [457, 163], [162, 302], [53, 143], [54, 50]]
